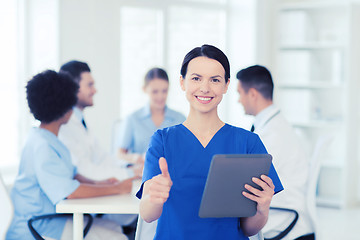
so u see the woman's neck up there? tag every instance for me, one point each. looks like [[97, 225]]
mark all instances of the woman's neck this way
[[157, 111], [157, 116], [203, 123], [51, 127], [203, 126]]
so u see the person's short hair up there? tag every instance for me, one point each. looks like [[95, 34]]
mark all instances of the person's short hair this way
[[50, 95], [154, 73], [75, 69], [208, 51], [259, 78]]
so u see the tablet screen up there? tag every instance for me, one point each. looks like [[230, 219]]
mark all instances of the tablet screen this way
[[228, 174]]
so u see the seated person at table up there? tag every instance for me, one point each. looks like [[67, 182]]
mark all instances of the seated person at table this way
[[87, 154], [179, 157], [137, 129], [46, 174], [90, 159]]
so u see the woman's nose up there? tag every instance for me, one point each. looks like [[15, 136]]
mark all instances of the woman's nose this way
[[205, 87]]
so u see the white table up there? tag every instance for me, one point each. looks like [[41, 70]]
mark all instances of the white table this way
[[117, 204]]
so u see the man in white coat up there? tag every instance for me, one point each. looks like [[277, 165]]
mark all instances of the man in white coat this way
[[87, 155], [255, 87]]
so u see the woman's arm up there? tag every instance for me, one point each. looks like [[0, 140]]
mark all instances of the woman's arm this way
[[90, 188], [252, 225], [83, 179], [155, 193]]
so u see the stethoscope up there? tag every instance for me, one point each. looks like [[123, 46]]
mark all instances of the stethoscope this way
[[270, 118]]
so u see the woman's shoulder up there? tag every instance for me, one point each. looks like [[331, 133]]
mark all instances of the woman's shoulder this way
[[175, 114], [167, 134], [170, 130], [138, 112], [237, 130], [242, 133], [136, 115], [38, 140]]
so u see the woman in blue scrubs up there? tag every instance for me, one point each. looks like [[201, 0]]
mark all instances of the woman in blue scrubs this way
[[46, 174], [178, 159], [137, 128]]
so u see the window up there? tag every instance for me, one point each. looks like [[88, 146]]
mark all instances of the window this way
[[28, 45], [160, 34], [140, 49], [9, 90]]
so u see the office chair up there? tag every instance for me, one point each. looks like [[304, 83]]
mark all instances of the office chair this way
[[6, 209], [314, 169], [37, 235], [258, 236], [284, 232]]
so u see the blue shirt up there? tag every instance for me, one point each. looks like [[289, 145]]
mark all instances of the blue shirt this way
[[46, 176], [188, 163], [138, 128]]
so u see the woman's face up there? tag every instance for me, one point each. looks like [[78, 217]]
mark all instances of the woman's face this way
[[157, 89], [204, 84]]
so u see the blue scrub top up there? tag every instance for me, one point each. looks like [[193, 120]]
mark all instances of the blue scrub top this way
[[188, 163], [46, 176], [137, 129]]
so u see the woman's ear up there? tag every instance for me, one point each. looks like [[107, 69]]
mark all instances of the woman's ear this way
[[182, 84], [227, 86]]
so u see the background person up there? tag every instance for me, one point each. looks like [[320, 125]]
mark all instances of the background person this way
[[179, 157], [255, 87], [90, 158], [46, 173], [87, 154], [137, 129]]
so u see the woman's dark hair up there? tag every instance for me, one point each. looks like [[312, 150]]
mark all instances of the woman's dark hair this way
[[209, 52], [258, 77], [75, 69], [155, 73], [50, 95]]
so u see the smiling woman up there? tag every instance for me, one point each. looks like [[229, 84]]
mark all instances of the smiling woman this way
[[178, 159], [137, 128], [203, 84]]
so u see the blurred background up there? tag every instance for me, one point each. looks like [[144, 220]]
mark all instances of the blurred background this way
[[312, 49]]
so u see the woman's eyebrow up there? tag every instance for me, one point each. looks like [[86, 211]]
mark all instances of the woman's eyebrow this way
[[217, 76], [196, 74]]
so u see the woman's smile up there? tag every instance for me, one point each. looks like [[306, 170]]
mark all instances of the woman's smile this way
[[203, 99]]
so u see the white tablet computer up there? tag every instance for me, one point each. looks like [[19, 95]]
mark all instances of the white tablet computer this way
[[228, 174]]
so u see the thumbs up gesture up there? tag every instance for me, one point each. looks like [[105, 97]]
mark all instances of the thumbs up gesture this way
[[160, 185]]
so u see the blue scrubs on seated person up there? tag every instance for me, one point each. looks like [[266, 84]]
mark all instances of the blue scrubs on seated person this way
[[46, 176], [188, 163], [137, 129]]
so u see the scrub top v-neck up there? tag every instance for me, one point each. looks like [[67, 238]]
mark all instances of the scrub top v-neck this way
[[188, 162]]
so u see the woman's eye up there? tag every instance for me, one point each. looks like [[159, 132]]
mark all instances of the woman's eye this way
[[215, 80], [195, 78]]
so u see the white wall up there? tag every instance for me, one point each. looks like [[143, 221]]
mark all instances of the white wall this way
[[89, 31]]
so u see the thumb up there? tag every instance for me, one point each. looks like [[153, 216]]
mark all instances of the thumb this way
[[164, 167]]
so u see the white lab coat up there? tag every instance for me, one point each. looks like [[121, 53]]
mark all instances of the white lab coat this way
[[87, 155], [291, 164]]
